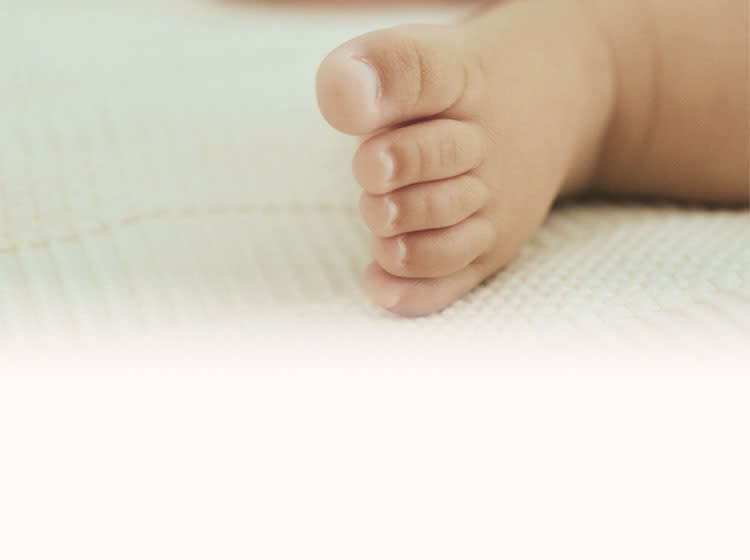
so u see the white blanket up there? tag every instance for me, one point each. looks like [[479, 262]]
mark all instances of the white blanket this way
[[165, 176]]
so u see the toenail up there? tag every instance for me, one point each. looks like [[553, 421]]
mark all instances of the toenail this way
[[370, 78], [392, 300], [401, 244], [388, 166], [392, 212]]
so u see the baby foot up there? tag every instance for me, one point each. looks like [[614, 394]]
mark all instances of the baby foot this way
[[474, 131]]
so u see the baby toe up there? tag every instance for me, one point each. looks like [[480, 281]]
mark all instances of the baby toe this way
[[424, 206], [391, 76], [419, 296], [435, 253], [422, 152]]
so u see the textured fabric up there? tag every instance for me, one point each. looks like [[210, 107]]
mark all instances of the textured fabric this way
[[164, 169]]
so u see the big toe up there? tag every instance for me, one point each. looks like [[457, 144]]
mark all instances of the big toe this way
[[391, 76]]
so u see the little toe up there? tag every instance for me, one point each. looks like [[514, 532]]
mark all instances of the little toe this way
[[427, 151], [390, 76], [424, 206], [434, 253], [413, 297]]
